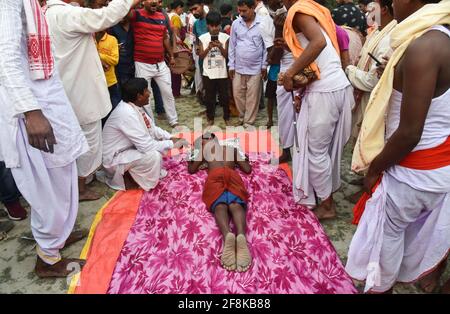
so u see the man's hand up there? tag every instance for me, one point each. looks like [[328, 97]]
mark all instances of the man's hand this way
[[180, 142], [105, 66], [39, 130], [369, 181], [297, 103], [264, 74], [380, 68], [288, 82], [280, 43], [231, 74]]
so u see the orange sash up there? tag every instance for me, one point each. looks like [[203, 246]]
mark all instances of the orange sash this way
[[321, 14], [426, 159]]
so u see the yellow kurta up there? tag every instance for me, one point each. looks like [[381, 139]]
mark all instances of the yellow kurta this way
[[108, 49]]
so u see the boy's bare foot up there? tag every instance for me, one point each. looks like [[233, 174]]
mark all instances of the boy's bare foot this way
[[89, 195], [430, 282], [243, 257], [269, 124], [326, 210], [229, 252], [61, 269], [210, 122], [227, 122]]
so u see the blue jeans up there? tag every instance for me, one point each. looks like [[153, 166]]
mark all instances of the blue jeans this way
[[9, 192]]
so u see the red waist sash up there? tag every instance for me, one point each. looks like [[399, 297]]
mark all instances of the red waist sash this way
[[426, 159]]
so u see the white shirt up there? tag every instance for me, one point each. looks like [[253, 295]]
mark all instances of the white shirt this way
[[267, 30], [71, 29], [261, 9], [19, 94], [126, 137], [214, 64]]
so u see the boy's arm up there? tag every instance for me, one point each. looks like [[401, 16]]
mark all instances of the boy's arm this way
[[113, 57], [203, 52], [224, 50], [243, 164]]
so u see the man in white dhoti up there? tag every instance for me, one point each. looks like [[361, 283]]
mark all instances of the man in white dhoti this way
[[324, 120], [364, 76], [404, 231], [71, 30], [40, 137], [133, 146]]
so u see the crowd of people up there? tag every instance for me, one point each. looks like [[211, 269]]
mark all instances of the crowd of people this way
[[77, 76]]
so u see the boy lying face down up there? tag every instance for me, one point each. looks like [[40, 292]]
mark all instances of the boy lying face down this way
[[224, 193]]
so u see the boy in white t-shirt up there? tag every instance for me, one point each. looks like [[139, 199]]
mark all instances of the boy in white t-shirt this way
[[214, 52]]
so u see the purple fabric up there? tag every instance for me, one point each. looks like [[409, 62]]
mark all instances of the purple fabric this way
[[174, 245], [343, 38], [247, 53]]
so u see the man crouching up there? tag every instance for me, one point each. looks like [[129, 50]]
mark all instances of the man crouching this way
[[133, 145]]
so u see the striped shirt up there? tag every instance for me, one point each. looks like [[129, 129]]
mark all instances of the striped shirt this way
[[149, 31]]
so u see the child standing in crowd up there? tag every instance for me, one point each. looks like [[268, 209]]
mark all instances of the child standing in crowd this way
[[214, 53], [108, 49]]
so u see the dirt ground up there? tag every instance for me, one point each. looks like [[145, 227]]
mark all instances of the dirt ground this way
[[17, 255]]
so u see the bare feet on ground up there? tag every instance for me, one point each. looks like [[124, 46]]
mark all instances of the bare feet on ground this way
[[63, 268], [326, 210], [229, 252], [89, 195], [243, 257], [430, 282], [354, 198], [446, 287], [76, 236]]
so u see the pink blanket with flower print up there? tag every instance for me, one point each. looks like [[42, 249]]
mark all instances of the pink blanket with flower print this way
[[174, 245]]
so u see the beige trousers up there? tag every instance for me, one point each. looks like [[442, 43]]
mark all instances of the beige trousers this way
[[247, 92]]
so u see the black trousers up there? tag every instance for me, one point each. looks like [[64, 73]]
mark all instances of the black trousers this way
[[8, 189], [212, 88]]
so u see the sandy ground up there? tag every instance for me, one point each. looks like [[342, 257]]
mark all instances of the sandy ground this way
[[17, 255]]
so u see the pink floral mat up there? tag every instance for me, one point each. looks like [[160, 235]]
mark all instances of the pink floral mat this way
[[174, 244]]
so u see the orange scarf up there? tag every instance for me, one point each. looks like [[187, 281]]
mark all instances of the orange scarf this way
[[321, 14], [426, 159]]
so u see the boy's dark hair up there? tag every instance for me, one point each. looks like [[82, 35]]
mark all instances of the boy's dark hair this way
[[364, 2], [213, 18], [175, 4], [248, 3], [388, 4], [133, 87], [225, 9]]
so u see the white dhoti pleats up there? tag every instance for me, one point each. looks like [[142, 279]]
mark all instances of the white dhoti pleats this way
[[89, 162], [323, 128], [52, 194], [403, 234], [285, 111], [146, 171]]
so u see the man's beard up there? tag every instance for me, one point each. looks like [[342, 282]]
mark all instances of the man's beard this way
[[197, 16]]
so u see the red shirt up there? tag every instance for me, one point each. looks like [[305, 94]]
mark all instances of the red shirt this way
[[149, 31]]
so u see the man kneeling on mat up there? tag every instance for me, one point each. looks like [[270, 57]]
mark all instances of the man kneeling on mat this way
[[224, 192]]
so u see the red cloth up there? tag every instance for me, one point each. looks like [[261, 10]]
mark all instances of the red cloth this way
[[426, 159], [220, 180]]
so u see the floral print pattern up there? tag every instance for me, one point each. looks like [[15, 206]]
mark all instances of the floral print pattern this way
[[174, 245]]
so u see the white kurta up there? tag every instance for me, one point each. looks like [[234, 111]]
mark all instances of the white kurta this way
[[323, 128], [285, 108], [71, 29], [128, 143], [47, 181]]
